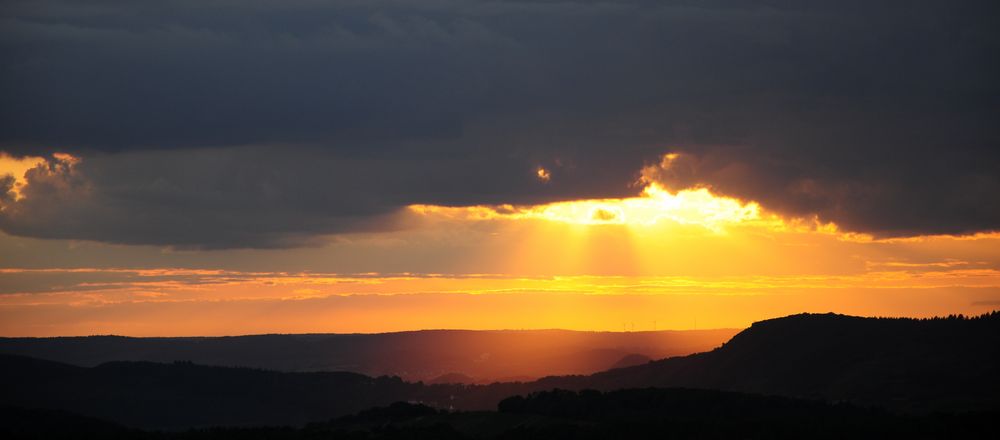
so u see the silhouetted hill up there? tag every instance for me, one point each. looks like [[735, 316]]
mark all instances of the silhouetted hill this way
[[906, 364], [631, 360], [900, 364], [152, 395], [453, 378], [45, 424], [420, 355]]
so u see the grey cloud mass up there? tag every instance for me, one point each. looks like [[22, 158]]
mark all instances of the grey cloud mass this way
[[224, 124]]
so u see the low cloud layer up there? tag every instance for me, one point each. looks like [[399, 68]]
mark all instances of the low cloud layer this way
[[269, 124]]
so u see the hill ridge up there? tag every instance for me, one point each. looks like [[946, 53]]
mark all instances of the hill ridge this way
[[949, 364]]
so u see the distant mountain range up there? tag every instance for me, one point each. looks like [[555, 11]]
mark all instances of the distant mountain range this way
[[915, 366], [475, 356]]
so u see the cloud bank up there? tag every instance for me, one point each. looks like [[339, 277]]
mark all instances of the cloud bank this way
[[227, 124]]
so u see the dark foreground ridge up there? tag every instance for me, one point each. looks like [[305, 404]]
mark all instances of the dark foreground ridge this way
[[625, 414], [902, 365], [905, 364]]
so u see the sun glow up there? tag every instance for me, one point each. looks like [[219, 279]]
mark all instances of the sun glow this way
[[697, 206], [655, 204]]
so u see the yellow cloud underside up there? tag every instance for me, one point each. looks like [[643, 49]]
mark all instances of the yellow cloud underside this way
[[655, 205], [16, 167]]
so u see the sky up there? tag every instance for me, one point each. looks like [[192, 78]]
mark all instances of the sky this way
[[234, 167]]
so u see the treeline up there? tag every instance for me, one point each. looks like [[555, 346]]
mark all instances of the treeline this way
[[560, 414], [951, 317]]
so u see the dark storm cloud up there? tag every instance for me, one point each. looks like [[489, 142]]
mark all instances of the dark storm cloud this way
[[234, 123]]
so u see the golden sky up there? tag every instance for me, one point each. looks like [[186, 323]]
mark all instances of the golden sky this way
[[659, 260], [392, 165]]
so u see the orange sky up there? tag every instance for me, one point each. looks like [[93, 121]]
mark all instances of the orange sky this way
[[688, 259]]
